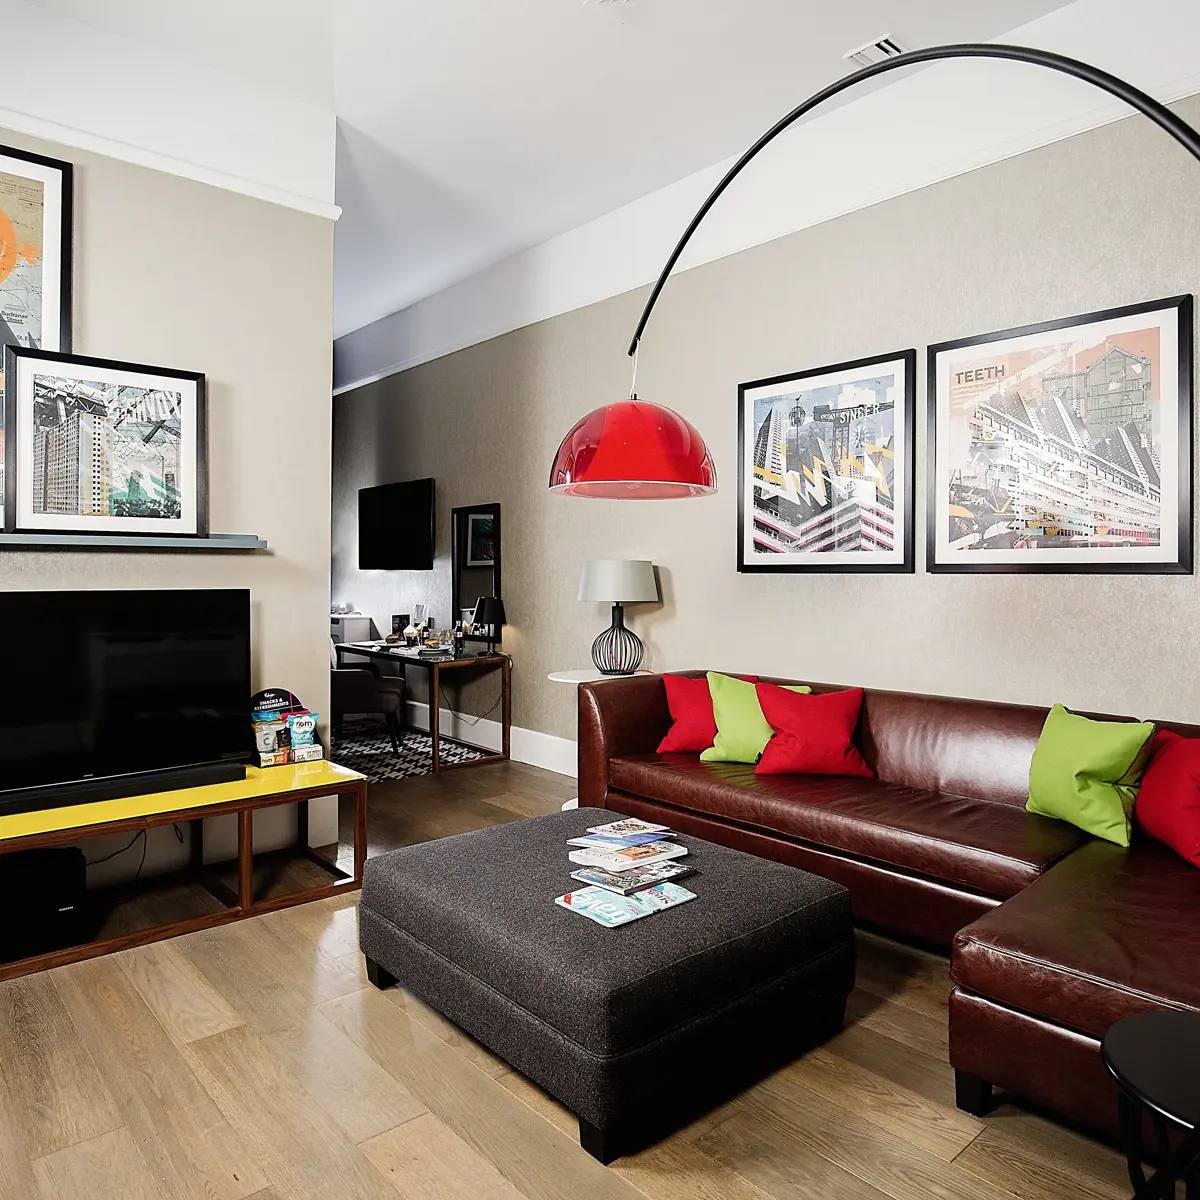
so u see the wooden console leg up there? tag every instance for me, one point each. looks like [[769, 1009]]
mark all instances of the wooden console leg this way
[[972, 1094], [245, 859], [379, 976], [598, 1143]]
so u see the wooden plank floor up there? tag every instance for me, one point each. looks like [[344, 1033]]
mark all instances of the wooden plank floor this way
[[254, 1060]]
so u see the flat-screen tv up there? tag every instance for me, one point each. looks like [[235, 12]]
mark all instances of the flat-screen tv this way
[[111, 692], [396, 526]]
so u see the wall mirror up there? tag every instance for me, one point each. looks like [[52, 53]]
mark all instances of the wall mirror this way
[[476, 560]]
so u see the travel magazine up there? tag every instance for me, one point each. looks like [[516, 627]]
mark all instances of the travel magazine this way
[[625, 883], [629, 827], [629, 856], [609, 910]]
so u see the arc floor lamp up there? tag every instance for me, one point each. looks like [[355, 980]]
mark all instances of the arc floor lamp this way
[[634, 450]]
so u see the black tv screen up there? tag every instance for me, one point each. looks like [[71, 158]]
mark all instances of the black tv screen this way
[[396, 526], [106, 684]]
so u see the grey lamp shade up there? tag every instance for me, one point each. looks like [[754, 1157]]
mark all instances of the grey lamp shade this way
[[618, 581]]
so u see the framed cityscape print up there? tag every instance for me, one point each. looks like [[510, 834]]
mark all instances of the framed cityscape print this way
[[97, 446], [35, 257], [825, 468], [1065, 446]]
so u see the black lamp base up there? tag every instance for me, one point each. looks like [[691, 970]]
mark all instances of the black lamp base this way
[[617, 651]]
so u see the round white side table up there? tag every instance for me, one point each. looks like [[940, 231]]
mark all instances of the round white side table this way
[[586, 675]]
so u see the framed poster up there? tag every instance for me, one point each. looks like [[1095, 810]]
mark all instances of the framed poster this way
[[825, 468], [35, 256], [481, 541], [1065, 446], [97, 446]]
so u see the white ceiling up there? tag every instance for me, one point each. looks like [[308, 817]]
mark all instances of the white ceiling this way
[[470, 129], [283, 45]]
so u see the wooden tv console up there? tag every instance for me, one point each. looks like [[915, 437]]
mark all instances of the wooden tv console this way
[[262, 788]]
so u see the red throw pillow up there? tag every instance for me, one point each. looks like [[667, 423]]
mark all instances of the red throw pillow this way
[[691, 706], [1168, 802], [814, 735]]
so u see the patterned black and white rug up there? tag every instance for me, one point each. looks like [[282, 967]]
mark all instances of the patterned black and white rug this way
[[365, 746]]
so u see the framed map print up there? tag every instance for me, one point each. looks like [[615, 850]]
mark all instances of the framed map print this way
[[1065, 446], [825, 468], [35, 257], [98, 446]]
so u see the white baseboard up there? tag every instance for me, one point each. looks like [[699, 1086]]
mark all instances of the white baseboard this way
[[530, 746], [545, 750]]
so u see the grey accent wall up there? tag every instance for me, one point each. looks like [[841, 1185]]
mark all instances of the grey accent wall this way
[[1111, 217]]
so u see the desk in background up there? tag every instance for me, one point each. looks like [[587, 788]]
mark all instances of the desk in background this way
[[435, 666]]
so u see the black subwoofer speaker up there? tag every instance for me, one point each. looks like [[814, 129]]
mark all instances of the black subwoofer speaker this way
[[43, 902]]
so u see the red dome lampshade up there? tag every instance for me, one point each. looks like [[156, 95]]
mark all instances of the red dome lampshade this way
[[633, 451]]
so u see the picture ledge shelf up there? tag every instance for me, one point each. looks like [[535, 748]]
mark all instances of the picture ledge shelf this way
[[120, 541]]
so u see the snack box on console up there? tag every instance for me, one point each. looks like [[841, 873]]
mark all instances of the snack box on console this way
[[297, 754]]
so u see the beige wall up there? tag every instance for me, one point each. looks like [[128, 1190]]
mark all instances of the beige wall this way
[[1111, 217], [176, 273]]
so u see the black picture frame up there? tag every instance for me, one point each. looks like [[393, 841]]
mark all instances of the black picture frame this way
[[904, 525], [61, 323], [65, 247], [14, 356], [1183, 419]]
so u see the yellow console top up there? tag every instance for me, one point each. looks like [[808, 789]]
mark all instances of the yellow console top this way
[[260, 782]]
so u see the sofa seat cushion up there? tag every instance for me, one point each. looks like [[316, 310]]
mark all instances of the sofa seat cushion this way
[[995, 849], [1107, 933]]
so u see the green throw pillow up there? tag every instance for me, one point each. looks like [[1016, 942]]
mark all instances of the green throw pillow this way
[[1087, 772], [742, 730]]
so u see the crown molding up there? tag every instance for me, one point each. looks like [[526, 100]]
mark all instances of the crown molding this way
[[82, 139]]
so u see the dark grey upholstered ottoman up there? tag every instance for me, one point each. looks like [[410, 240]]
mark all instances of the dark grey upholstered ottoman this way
[[637, 1029]]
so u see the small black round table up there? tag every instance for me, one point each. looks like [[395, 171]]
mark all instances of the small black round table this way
[[1155, 1059]]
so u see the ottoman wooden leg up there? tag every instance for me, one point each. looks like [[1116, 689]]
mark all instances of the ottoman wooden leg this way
[[599, 1144], [380, 977]]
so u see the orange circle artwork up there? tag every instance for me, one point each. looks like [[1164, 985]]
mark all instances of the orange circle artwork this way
[[8, 246]]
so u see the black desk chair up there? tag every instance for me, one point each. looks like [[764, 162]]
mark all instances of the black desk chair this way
[[355, 691]]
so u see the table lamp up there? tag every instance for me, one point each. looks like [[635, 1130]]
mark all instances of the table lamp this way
[[618, 581], [489, 611]]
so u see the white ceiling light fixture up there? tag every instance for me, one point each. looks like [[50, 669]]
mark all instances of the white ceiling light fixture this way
[[870, 53]]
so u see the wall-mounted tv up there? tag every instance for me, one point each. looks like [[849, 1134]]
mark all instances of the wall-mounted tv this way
[[120, 692], [396, 526]]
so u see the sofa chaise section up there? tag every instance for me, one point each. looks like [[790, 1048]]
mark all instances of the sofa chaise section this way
[[1038, 982]]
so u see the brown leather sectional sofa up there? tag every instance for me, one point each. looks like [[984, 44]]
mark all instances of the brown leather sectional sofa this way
[[1053, 935]]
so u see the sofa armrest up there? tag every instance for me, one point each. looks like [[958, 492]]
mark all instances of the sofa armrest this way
[[623, 715]]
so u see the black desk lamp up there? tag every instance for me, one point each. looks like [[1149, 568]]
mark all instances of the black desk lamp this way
[[489, 611]]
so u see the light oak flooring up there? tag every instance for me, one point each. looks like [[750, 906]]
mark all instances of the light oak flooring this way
[[254, 1060]]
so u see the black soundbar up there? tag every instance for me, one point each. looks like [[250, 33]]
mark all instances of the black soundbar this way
[[113, 787]]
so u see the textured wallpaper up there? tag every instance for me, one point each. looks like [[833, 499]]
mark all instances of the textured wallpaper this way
[[1107, 218]]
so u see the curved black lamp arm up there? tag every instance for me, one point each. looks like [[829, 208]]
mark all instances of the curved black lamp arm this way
[[1162, 116]]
